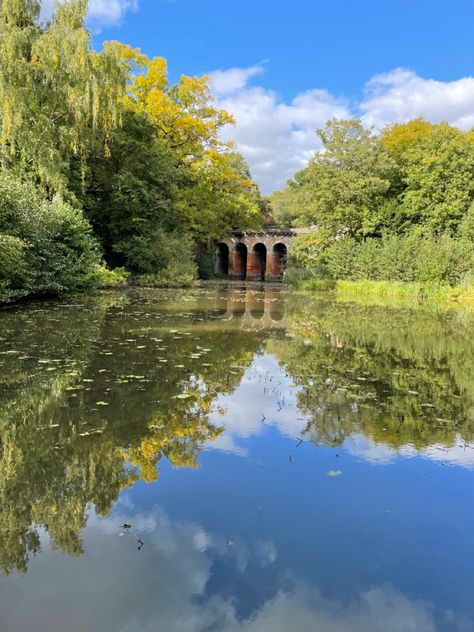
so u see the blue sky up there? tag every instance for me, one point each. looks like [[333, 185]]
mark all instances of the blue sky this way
[[337, 45], [284, 68]]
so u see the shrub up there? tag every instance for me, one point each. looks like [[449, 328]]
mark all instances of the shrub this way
[[46, 248], [177, 274], [205, 263], [118, 277], [166, 258], [413, 257]]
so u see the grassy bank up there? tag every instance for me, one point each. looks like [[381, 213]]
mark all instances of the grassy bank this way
[[390, 292]]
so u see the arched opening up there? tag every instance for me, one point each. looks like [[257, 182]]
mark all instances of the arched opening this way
[[277, 304], [279, 257], [256, 304], [222, 259], [240, 262], [258, 263]]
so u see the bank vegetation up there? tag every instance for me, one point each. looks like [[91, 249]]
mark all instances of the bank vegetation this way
[[394, 206], [106, 168]]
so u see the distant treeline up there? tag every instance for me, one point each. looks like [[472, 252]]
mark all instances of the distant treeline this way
[[393, 205], [104, 163]]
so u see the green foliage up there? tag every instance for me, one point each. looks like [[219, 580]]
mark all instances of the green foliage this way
[[56, 93], [47, 247], [142, 159], [206, 262], [170, 253], [344, 186], [439, 179], [129, 197], [414, 257], [116, 278], [398, 206], [176, 275]]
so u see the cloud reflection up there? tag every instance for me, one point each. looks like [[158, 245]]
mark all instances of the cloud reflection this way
[[167, 586]]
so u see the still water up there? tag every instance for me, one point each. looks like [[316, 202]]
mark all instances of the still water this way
[[235, 459]]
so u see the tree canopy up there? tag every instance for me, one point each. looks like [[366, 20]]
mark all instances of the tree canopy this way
[[392, 205], [105, 131]]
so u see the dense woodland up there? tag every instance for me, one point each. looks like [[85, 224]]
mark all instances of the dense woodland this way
[[106, 168], [394, 205]]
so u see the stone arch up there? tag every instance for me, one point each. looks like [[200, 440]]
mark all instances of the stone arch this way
[[278, 260], [257, 265], [239, 268], [222, 259]]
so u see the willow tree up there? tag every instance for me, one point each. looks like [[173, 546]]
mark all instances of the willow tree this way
[[56, 92]]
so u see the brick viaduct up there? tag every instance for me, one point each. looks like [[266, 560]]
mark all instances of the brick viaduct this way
[[254, 256]]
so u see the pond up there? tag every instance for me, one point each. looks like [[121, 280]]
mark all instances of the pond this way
[[235, 458]]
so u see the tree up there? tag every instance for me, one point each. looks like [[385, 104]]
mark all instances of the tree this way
[[46, 247], [56, 93], [214, 190], [439, 179], [402, 137], [345, 186], [131, 194]]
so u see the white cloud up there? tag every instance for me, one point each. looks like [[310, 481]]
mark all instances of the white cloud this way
[[401, 95], [278, 138], [233, 79], [170, 585], [102, 13]]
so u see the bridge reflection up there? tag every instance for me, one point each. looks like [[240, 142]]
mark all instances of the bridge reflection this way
[[256, 306]]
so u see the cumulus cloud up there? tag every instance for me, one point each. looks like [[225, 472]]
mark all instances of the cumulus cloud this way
[[102, 13], [170, 585], [278, 138], [401, 95], [229, 81]]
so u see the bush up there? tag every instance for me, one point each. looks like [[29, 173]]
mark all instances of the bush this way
[[414, 258], [205, 264], [177, 274], [118, 277], [46, 248], [161, 259]]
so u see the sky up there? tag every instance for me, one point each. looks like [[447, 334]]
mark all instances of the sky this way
[[284, 68]]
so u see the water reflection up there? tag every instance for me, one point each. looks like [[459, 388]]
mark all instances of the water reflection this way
[[171, 589], [232, 404], [256, 306], [398, 377]]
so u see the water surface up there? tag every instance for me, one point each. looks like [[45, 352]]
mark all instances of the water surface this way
[[236, 459]]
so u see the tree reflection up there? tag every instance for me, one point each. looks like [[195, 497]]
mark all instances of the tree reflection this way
[[397, 376], [93, 398]]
